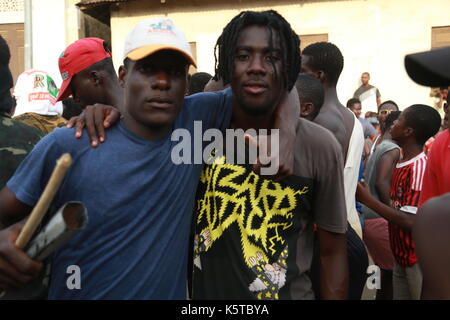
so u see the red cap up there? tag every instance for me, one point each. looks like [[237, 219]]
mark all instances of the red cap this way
[[78, 56]]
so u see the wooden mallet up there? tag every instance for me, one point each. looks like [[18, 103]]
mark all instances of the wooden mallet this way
[[38, 212]]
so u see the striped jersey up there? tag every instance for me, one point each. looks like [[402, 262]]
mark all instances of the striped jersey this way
[[406, 185]]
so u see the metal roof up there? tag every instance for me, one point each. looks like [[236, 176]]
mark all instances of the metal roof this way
[[88, 3]]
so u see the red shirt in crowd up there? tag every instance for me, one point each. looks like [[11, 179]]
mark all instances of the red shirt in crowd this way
[[406, 186], [436, 181]]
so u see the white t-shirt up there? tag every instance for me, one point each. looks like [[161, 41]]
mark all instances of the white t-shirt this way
[[351, 174], [369, 101], [36, 92]]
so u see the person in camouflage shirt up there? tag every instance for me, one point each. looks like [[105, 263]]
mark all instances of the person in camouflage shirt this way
[[44, 123], [16, 141], [16, 138]]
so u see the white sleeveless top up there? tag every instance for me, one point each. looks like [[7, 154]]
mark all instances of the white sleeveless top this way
[[351, 173]]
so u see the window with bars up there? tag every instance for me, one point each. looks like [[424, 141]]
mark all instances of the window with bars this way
[[307, 39], [440, 37], [13, 33]]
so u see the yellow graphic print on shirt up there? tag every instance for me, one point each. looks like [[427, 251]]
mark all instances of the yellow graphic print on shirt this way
[[262, 211], [270, 278]]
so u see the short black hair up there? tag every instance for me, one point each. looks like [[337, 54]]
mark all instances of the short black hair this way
[[198, 81], [104, 65], [389, 102], [6, 80], [310, 89], [5, 54], [225, 49], [351, 102], [424, 119], [391, 117], [327, 57]]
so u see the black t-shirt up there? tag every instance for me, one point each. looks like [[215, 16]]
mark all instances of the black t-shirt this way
[[254, 236]]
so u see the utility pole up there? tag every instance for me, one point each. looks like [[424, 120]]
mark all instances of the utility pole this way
[[28, 34]]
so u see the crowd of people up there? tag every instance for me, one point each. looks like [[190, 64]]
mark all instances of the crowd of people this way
[[347, 187]]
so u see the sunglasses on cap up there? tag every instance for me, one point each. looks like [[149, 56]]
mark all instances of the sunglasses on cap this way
[[386, 112]]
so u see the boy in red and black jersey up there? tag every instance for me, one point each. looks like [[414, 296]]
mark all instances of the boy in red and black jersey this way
[[406, 186], [411, 130]]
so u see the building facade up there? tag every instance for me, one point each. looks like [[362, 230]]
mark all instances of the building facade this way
[[373, 35]]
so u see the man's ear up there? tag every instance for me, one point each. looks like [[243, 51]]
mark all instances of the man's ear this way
[[122, 76], [96, 77], [409, 131], [306, 109], [321, 76]]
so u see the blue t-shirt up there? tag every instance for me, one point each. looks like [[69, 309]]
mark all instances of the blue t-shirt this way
[[368, 128], [139, 204]]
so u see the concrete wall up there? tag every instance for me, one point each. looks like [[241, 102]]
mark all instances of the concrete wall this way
[[12, 17], [55, 25], [373, 35], [48, 21], [72, 22]]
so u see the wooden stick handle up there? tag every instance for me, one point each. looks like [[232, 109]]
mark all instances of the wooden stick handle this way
[[62, 164]]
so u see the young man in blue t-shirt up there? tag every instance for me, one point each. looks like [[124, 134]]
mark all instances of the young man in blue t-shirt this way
[[140, 222], [136, 242]]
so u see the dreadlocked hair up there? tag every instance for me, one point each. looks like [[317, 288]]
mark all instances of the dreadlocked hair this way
[[225, 48]]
